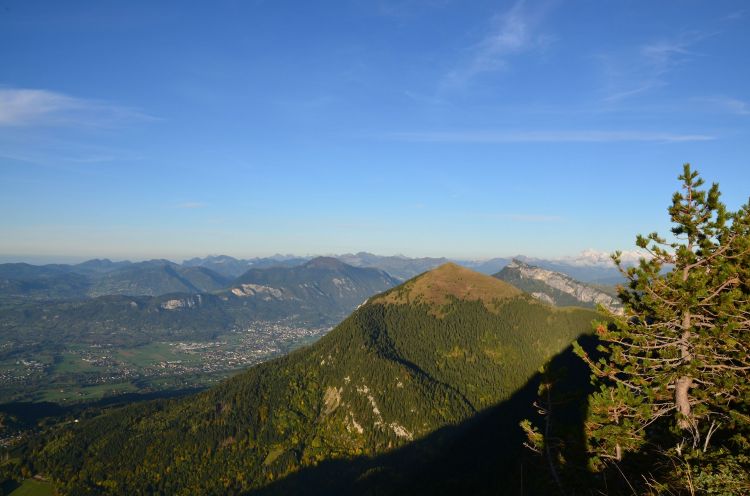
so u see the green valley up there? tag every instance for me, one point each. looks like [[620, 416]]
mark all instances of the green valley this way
[[83, 348]]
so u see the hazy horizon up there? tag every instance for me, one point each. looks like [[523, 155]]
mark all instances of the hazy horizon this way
[[584, 257]]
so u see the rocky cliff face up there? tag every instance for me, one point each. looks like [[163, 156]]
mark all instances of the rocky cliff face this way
[[556, 288], [179, 303]]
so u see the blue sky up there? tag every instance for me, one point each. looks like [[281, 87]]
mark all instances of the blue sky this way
[[427, 128]]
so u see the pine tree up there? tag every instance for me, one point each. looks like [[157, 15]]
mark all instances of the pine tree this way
[[673, 375]]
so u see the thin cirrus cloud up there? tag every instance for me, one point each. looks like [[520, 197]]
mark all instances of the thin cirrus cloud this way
[[664, 54], [513, 32], [585, 136], [647, 67], [727, 105], [27, 107]]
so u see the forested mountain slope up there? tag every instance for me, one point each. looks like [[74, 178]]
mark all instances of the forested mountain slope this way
[[430, 353], [323, 286], [157, 278]]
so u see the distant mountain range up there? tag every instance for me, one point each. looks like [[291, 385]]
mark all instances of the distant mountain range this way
[[440, 350], [322, 291], [232, 267], [405, 268], [104, 277], [589, 266], [149, 278], [214, 273], [400, 267]]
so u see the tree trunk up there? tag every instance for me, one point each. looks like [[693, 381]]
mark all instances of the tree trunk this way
[[682, 387], [682, 401]]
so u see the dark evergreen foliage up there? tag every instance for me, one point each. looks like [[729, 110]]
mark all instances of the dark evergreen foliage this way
[[670, 413]]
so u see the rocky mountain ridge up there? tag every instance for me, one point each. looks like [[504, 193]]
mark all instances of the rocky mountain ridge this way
[[556, 288]]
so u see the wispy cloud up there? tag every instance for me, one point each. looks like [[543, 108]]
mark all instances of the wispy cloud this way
[[727, 104], [664, 54], [647, 67], [735, 16], [191, 205], [590, 136], [643, 87], [24, 107], [512, 32], [35, 147]]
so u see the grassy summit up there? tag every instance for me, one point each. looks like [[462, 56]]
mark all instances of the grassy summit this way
[[439, 286]]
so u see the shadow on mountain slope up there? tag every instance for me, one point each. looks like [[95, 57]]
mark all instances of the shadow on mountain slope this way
[[29, 413], [482, 455]]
